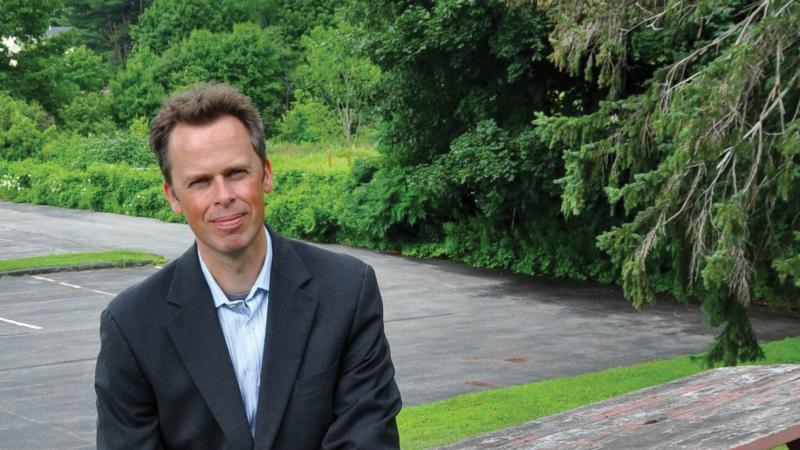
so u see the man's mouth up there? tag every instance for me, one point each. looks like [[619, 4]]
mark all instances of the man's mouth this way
[[229, 221]]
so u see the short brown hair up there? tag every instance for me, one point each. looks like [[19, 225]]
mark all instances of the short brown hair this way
[[202, 105]]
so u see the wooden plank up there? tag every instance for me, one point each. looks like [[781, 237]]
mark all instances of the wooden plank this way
[[743, 408]]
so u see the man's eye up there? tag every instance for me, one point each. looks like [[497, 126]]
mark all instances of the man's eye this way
[[199, 182]]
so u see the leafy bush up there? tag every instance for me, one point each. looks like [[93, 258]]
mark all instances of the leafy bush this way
[[490, 201], [22, 127], [307, 121], [89, 114], [119, 147], [307, 205], [100, 187]]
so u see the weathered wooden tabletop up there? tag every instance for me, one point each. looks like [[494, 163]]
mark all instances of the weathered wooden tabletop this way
[[747, 407]]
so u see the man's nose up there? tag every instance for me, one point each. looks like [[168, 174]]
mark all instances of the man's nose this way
[[223, 193]]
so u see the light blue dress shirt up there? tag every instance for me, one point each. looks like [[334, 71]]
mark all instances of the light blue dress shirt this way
[[244, 323]]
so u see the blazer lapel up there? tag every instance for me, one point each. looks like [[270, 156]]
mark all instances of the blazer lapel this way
[[197, 335], [290, 316]]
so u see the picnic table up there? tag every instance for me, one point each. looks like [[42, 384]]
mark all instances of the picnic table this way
[[744, 408]]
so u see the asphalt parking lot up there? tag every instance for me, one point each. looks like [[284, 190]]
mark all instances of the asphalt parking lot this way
[[452, 329]]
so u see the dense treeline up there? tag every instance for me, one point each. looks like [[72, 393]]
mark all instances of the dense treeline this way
[[653, 145]]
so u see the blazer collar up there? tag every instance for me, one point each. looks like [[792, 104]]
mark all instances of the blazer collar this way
[[289, 321]]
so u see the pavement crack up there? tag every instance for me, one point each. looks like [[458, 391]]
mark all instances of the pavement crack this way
[[57, 363], [402, 319]]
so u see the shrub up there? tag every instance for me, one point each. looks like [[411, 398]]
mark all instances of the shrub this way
[[307, 121], [307, 205], [119, 147], [22, 127], [89, 114], [99, 187]]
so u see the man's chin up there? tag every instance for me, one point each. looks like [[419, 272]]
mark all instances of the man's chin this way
[[235, 245]]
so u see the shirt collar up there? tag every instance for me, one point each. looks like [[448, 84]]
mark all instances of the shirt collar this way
[[261, 283]]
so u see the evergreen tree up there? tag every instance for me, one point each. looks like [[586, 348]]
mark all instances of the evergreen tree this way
[[105, 24], [703, 155]]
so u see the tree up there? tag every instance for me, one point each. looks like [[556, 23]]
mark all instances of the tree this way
[[296, 17], [308, 121], [135, 91], [85, 69], [337, 73], [105, 24], [39, 74], [249, 57], [53, 73], [167, 22], [25, 20], [451, 64], [89, 114], [703, 155], [464, 174]]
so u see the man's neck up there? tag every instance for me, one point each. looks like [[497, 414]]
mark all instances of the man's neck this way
[[236, 274]]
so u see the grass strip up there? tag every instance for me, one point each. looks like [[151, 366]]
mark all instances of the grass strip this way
[[457, 418], [315, 159], [66, 260]]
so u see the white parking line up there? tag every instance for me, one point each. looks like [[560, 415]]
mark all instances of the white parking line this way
[[21, 324], [101, 292], [43, 278], [75, 286]]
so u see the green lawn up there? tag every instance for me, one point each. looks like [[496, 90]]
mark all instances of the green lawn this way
[[78, 259], [454, 419], [314, 158]]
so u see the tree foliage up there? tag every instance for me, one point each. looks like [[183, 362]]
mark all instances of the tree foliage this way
[[105, 24], [451, 64], [167, 22], [249, 57], [136, 93], [89, 114], [25, 20], [336, 72], [53, 73], [296, 17], [308, 121], [464, 173], [703, 156], [22, 128]]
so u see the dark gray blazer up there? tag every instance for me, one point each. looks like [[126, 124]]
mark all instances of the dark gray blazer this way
[[164, 378]]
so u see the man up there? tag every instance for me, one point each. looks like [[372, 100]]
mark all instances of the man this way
[[248, 340]]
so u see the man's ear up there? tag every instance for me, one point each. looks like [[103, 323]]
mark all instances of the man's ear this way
[[172, 199], [267, 183]]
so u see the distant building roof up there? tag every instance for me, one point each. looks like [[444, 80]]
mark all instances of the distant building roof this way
[[55, 31], [14, 46]]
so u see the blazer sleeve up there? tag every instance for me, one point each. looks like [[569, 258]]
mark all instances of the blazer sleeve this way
[[366, 398], [126, 407]]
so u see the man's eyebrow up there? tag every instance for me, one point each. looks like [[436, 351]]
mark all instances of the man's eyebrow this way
[[237, 167], [196, 177], [227, 171]]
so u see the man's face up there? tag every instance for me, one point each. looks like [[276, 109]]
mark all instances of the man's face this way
[[218, 185]]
